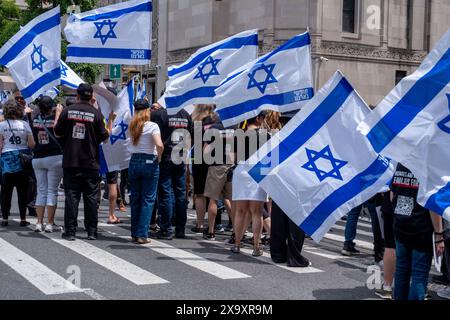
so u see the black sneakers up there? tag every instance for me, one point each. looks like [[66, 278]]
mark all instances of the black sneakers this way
[[68, 237], [209, 236], [349, 251], [164, 235], [180, 235]]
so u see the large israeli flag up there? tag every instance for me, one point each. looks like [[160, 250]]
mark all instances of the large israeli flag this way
[[114, 155], [116, 34], [32, 55], [280, 80], [68, 77], [412, 126], [194, 81], [319, 167]]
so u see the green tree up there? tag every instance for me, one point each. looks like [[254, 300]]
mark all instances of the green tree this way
[[9, 20]]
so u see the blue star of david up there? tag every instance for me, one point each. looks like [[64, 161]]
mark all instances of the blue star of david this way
[[443, 125], [64, 70], [40, 63], [213, 72], [326, 154], [110, 34], [270, 78], [122, 135]]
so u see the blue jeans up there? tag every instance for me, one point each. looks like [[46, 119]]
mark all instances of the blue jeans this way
[[411, 273], [143, 175], [172, 196], [351, 227]]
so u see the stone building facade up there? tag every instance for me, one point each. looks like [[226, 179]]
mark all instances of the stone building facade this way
[[373, 42]]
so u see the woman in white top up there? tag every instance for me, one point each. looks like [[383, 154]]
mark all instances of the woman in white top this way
[[16, 137], [146, 149]]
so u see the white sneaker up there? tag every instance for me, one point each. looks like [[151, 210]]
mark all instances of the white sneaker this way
[[39, 227], [444, 293], [49, 228]]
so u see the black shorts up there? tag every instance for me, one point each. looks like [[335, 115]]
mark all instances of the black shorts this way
[[199, 173], [112, 177]]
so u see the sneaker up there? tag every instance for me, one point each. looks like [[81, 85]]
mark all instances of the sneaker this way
[[229, 228], [219, 228], [49, 228], [56, 228], [39, 227], [197, 230], [231, 240], [235, 249], [443, 280], [265, 240], [24, 223], [180, 235], [257, 252], [427, 296], [164, 235], [209, 236], [154, 228], [4, 223], [92, 237], [444, 293], [384, 293], [68, 237], [142, 241], [349, 252]]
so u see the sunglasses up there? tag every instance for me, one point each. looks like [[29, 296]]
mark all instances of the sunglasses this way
[[19, 98]]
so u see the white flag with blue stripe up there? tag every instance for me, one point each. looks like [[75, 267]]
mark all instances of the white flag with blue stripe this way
[[319, 167], [144, 90], [114, 155], [194, 81], [412, 126], [280, 80], [69, 78], [116, 34], [32, 55]]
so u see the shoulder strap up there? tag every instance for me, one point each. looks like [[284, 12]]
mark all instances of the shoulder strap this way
[[49, 133]]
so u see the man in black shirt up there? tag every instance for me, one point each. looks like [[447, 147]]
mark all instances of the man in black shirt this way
[[413, 229], [83, 128], [172, 177]]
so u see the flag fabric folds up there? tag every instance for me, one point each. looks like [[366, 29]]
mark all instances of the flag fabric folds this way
[[194, 81], [116, 34], [68, 77], [33, 55], [280, 80], [114, 155], [319, 167], [412, 126]]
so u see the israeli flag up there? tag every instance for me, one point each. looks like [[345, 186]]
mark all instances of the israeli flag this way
[[319, 167], [52, 93], [138, 93], [32, 55], [281, 81], [116, 34], [114, 155], [412, 126], [194, 81], [69, 78], [143, 94], [3, 96]]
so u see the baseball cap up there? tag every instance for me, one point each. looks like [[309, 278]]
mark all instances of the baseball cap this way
[[85, 90], [141, 104]]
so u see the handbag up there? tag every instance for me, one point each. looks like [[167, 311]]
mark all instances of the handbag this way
[[50, 134], [25, 158]]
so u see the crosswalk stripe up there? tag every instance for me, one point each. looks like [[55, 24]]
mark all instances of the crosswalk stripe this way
[[40, 276], [358, 231], [326, 255], [341, 239], [195, 261], [267, 259], [111, 262]]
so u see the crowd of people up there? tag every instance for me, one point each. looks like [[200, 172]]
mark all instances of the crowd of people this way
[[42, 146]]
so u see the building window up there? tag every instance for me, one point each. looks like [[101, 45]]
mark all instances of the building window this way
[[349, 16], [399, 75]]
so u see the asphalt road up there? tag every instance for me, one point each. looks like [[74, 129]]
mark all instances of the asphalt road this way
[[43, 266]]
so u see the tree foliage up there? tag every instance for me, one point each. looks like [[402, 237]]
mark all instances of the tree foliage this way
[[9, 20]]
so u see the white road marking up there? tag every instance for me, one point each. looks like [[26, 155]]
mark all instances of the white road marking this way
[[358, 231], [195, 261], [360, 243], [40, 276]]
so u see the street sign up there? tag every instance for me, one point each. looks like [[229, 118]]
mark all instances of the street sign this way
[[115, 71]]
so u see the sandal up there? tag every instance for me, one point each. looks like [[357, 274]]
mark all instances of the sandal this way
[[115, 222], [257, 252]]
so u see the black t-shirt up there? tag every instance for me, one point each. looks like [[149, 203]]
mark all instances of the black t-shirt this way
[[254, 139], [45, 144], [412, 222], [227, 136], [83, 128], [168, 124]]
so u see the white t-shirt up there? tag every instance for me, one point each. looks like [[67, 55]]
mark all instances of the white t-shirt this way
[[21, 131], [146, 144]]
